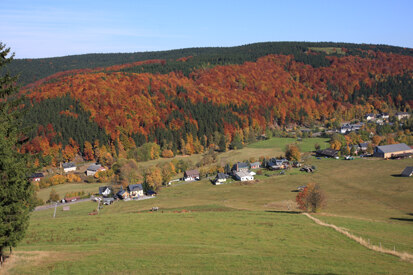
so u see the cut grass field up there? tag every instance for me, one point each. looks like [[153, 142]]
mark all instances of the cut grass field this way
[[235, 228], [62, 189], [213, 242]]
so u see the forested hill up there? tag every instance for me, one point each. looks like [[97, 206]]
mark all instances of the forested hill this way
[[31, 70], [189, 100]]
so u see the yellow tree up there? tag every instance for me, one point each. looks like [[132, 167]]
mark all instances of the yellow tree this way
[[153, 178]]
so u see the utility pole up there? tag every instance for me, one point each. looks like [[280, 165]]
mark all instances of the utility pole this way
[[54, 214]]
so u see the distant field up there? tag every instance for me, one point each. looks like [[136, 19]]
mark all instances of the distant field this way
[[306, 144], [328, 50], [62, 189]]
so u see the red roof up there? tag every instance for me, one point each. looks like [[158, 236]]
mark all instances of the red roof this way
[[72, 198]]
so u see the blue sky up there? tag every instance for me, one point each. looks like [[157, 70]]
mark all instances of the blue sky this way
[[46, 28]]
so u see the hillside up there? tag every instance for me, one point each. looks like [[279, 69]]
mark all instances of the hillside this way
[[203, 228], [31, 70], [224, 93]]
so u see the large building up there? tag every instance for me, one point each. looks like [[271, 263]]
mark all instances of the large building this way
[[392, 150]]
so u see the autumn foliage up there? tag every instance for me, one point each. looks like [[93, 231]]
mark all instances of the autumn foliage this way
[[311, 198], [274, 90]]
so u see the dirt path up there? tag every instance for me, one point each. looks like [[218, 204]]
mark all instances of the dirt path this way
[[402, 255]]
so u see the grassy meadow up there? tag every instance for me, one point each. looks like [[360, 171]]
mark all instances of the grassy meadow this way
[[234, 227]]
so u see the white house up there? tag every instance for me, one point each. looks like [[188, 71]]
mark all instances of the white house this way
[[220, 178], [243, 176], [93, 169], [68, 167], [135, 190], [401, 115], [191, 175]]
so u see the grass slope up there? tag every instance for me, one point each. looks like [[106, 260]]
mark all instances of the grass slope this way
[[235, 228], [195, 242]]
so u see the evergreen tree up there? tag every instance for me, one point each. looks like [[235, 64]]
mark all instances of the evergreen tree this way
[[16, 192]]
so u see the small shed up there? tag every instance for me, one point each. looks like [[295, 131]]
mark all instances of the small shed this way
[[255, 165], [407, 172]]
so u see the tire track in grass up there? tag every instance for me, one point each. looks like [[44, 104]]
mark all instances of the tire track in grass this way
[[402, 255]]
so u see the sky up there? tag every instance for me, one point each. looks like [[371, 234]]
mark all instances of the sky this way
[[49, 28]]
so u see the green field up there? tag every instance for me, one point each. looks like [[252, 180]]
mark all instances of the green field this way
[[213, 242], [306, 144], [234, 228]]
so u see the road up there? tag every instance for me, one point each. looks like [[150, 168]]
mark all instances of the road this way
[[45, 207]]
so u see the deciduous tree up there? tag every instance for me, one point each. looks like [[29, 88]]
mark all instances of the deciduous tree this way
[[312, 198]]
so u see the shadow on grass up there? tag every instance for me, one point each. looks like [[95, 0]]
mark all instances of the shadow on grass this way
[[403, 219], [313, 273], [283, 212], [396, 175]]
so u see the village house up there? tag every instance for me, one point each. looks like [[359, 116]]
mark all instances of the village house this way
[[277, 164], [191, 175], [122, 194], [392, 150], [36, 176], [135, 190], [407, 172], [383, 116], [255, 165], [347, 128], [240, 167], [105, 191], [68, 167], [220, 178], [369, 117], [360, 148], [330, 153], [401, 115], [243, 176], [93, 169]]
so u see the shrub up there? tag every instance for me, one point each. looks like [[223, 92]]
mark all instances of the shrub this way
[[167, 153], [311, 198]]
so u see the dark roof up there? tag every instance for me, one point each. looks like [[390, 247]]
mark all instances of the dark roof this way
[[256, 163], [192, 173], [94, 167], [327, 152], [135, 187], [242, 165], [37, 175], [401, 113], [68, 165], [407, 172], [364, 145], [222, 176], [121, 192], [393, 148]]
